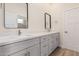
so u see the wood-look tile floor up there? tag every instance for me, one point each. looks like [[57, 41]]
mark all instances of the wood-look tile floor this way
[[64, 52]]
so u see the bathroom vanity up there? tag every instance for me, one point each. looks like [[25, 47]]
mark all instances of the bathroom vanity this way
[[35, 45]]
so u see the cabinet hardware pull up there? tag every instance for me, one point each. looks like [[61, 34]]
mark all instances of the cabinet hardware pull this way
[[28, 53], [44, 46]]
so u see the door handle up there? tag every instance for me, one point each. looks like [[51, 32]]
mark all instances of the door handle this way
[[44, 45]]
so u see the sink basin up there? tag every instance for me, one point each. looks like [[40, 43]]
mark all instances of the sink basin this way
[[27, 35], [15, 38]]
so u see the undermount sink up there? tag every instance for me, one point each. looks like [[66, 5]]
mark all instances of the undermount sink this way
[[13, 38], [27, 35]]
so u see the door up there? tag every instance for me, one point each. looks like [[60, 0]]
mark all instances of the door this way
[[71, 29]]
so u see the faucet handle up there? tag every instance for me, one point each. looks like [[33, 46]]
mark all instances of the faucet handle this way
[[19, 32]]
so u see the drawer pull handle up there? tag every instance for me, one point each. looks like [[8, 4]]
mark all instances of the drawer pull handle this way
[[44, 38], [27, 54], [44, 46]]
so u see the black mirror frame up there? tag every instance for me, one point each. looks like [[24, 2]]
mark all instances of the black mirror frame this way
[[4, 17], [49, 19]]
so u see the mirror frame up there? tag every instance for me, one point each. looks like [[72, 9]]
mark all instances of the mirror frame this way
[[47, 14], [17, 27]]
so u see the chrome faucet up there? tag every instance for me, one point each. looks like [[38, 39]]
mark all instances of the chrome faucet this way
[[19, 32]]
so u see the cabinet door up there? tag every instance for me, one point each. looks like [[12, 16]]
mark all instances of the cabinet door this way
[[50, 48], [14, 47], [31, 51], [44, 38], [52, 43], [35, 50], [57, 37], [44, 48], [24, 52]]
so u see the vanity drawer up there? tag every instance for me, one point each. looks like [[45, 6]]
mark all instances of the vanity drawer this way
[[36, 40], [20, 53], [12, 48], [44, 38]]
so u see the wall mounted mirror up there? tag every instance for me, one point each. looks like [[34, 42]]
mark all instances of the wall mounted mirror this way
[[15, 15], [47, 21]]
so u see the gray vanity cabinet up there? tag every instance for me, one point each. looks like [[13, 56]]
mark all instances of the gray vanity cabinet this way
[[52, 45], [53, 42], [44, 49], [38, 46], [15, 47], [23, 52], [57, 37], [32, 50], [44, 46], [35, 50]]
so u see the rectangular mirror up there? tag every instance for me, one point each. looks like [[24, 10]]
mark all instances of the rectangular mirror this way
[[47, 21], [15, 15]]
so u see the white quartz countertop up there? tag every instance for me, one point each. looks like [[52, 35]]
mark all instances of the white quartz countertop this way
[[12, 39]]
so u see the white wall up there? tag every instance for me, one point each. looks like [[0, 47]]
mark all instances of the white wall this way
[[36, 19], [59, 15]]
